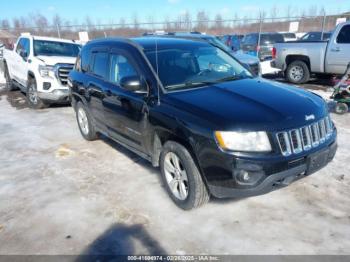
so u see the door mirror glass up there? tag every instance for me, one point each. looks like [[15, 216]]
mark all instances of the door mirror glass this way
[[23, 54], [134, 84]]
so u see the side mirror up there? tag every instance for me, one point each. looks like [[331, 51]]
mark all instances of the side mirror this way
[[23, 54], [134, 84]]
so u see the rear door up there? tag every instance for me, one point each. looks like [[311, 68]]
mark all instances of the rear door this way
[[338, 52], [96, 83]]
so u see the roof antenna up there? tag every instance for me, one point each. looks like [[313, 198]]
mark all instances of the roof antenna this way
[[157, 69]]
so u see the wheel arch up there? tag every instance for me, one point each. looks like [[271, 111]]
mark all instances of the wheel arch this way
[[161, 136], [292, 58]]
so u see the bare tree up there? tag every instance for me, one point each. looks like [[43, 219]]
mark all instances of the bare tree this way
[[218, 24], [202, 21], [5, 24]]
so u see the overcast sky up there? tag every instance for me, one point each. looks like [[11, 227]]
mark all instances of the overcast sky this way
[[113, 10]]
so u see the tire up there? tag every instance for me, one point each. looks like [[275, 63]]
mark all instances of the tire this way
[[341, 108], [194, 192], [86, 126], [33, 99], [9, 84], [298, 72]]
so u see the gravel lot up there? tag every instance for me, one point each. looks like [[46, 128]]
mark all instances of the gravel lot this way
[[62, 195]]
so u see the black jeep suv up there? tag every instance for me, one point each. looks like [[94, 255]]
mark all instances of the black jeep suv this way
[[192, 109]]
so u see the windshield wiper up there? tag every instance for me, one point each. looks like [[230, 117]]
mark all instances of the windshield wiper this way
[[190, 84]]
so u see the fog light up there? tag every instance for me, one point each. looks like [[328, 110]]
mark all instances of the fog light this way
[[245, 177], [46, 85]]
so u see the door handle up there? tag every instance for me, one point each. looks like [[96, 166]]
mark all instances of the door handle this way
[[337, 49]]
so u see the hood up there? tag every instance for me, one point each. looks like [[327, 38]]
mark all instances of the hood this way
[[250, 105], [246, 59], [53, 60]]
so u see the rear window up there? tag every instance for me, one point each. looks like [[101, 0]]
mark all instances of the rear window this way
[[271, 39], [289, 35]]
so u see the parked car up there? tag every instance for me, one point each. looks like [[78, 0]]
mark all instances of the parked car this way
[[233, 41], [261, 46], [289, 36], [250, 61], [299, 60], [2, 46], [39, 66], [193, 110], [316, 36]]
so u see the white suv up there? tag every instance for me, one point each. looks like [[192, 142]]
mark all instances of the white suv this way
[[39, 66]]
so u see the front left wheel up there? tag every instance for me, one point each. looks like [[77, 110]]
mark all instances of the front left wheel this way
[[33, 99], [181, 177]]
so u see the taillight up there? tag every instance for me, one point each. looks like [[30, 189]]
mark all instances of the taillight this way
[[274, 52], [257, 48]]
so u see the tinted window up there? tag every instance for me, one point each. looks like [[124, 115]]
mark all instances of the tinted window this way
[[344, 35], [271, 39], [52, 48], [289, 35], [85, 59], [120, 68], [100, 65]]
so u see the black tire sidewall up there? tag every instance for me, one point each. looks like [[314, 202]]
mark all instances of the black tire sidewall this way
[[305, 68], [191, 170]]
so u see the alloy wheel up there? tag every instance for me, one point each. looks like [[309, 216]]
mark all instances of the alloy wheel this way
[[83, 121], [176, 176]]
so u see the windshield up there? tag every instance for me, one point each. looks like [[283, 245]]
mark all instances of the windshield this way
[[194, 66], [51, 48]]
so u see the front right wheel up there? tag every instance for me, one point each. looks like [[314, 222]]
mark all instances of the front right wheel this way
[[181, 177]]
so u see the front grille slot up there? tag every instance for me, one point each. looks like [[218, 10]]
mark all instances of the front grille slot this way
[[62, 72], [296, 141], [305, 138]]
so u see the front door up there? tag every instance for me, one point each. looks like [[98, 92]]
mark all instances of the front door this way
[[338, 53], [126, 112]]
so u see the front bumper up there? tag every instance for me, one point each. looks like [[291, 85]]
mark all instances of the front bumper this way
[[296, 169], [57, 95]]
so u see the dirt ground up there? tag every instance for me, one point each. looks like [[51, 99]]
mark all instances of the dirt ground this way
[[60, 194]]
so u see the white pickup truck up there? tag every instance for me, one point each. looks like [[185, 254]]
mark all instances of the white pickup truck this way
[[298, 59], [39, 66]]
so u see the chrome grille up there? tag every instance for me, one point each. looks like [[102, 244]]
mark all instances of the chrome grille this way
[[62, 72], [302, 139]]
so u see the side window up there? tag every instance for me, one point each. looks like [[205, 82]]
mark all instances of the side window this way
[[19, 47], [120, 67], [99, 68], [78, 64], [26, 45], [344, 35]]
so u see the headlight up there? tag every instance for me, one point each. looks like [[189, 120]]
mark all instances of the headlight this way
[[243, 141], [46, 71]]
